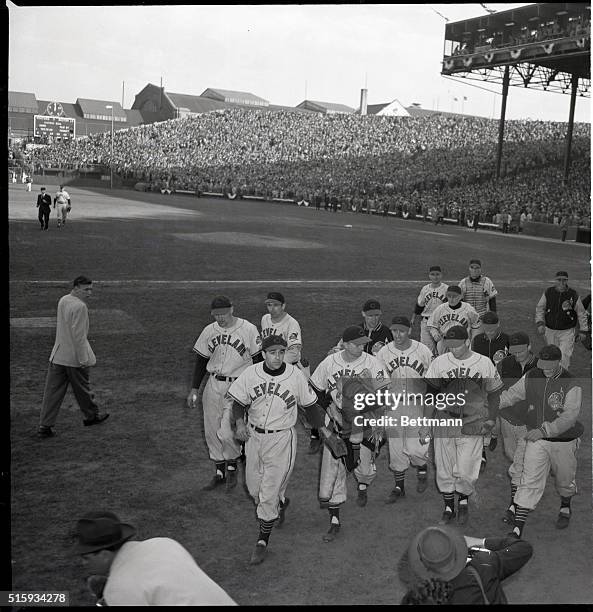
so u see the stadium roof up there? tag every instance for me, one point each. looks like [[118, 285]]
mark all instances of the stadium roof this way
[[25, 101], [238, 97], [373, 109], [195, 104], [98, 108], [327, 107], [70, 110]]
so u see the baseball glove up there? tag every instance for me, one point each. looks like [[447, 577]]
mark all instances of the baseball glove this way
[[68, 208], [350, 388], [337, 446], [474, 398]]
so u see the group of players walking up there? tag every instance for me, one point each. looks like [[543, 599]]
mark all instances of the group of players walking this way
[[258, 384]]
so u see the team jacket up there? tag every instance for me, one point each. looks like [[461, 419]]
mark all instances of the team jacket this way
[[552, 404], [511, 371], [495, 349], [561, 310], [380, 336], [506, 556]]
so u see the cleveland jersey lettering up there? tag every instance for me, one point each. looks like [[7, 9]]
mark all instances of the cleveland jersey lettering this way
[[430, 297], [475, 367], [288, 328], [228, 350], [272, 400], [407, 367], [445, 317]]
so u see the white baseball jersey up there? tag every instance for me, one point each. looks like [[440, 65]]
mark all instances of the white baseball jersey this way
[[430, 297], [445, 317], [475, 367], [407, 367], [229, 350], [477, 293], [62, 197], [272, 400], [333, 367], [288, 327]]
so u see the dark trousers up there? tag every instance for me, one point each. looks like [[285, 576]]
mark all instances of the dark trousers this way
[[56, 385], [44, 217]]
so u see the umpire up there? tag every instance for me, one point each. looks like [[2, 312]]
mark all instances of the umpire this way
[[450, 568], [44, 206]]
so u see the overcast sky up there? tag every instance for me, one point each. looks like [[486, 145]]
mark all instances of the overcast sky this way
[[281, 53]]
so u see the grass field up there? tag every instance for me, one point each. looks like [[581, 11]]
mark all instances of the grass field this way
[[156, 262]]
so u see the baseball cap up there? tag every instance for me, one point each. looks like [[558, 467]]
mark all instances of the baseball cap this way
[[455, 336], [271, 341], [490, 318], [561, 274], [372, 307], [275, 296], [400, 323], [454, 289], [435, 269], [220, 302], [355, 334], [437, 552], [548, 356], [475, 261], [517, 342]]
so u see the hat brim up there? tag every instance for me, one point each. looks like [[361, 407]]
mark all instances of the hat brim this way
[[547, 363], [84, 549], [270, 301], [360, 340], [454, 342], [274, 346], [400, 326], [517, 348], [449, 571], [224, 310], [373, 311]]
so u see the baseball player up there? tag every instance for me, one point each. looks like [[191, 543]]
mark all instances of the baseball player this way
[[553, 402], [494, 344], [453, 312], [557, 314], [224, 349], [478, 290], [406, 361], [278, 322], [458, 450], [377, 331], [268, 395], [432, 295], [62, 199], [519, 361], [350, 362]]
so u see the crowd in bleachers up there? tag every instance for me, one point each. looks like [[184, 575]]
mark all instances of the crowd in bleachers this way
[[395, 161]]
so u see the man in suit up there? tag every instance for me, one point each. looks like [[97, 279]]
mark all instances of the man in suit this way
[[44, 206], [70, 360]]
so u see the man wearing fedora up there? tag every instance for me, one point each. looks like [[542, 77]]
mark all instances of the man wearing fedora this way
[[449, 568], [557, 315], [553, 402], [154, 572]]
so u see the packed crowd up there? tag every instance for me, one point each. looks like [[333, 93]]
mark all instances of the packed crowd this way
[[396, 161]]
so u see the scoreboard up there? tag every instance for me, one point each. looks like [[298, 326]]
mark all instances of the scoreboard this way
[[54, 128]]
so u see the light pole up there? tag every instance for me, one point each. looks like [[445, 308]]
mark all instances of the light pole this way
[[111, 159]]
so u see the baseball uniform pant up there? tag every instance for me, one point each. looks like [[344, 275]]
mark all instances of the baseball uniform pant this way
[[56, 384], [214, 402], [332, 479], [425, 336], [406, 451], [269, 463], [457, 461], [366, 470], [513, 440], [43, 217], [564, 340], [540, 456], [62, 213]]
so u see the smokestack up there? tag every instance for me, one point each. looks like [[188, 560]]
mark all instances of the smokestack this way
[[363, 102]]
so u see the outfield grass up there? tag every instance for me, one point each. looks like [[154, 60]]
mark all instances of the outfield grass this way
[[157, 261]]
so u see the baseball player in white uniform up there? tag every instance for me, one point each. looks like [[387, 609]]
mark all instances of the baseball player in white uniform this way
[[349, 362], [62, 199], [453, 312], [224, 349], [432, 295], [478, 290], [405, 361], [269, 395], [458, 455]]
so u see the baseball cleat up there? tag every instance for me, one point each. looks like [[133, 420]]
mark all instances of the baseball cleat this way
[[396, 494], [509, 517], [362, 498], [422, 483], [258, 554], [484, 460], [282, 513], [45, 432], [332, 533], [462, 514], [563, 520], [97, 419], [447, 516], [215, 482], [314, 446], [231, 479]]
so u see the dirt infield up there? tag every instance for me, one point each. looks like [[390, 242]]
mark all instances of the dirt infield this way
[[149, 461]]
